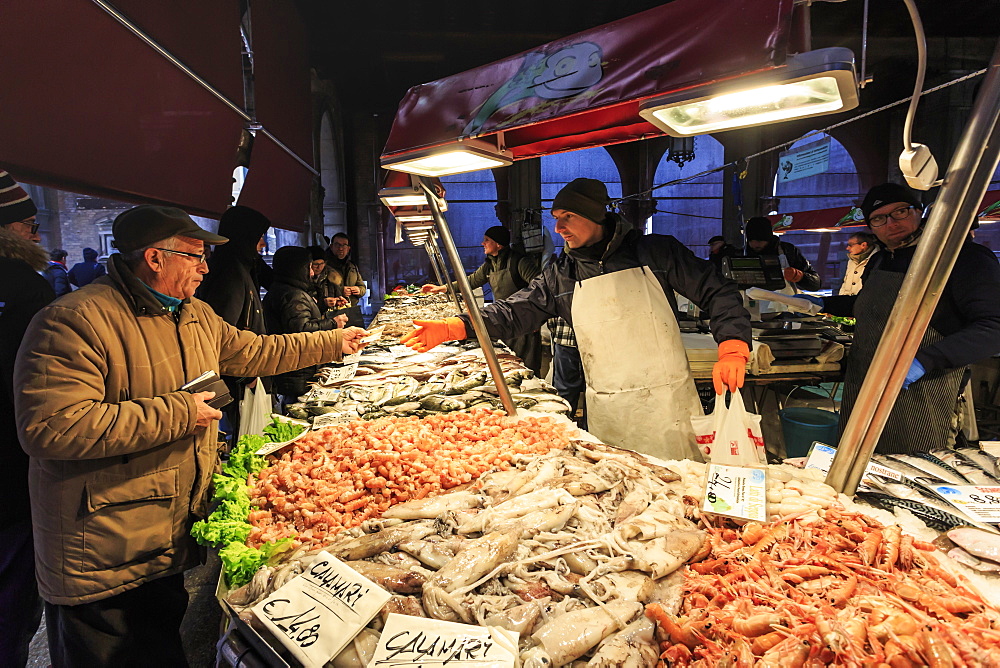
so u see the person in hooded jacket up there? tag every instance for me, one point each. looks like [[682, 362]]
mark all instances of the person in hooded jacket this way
[[83, 273], [23, 292], [615, 287], [232, 286], [289, 307]]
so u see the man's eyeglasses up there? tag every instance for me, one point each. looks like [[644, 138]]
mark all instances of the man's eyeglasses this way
[[897, 214], [201, 257], [32, 227]]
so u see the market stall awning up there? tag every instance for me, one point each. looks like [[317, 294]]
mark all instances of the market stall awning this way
[[90, 107], [819, 220], [277, 184], [824, 220], [585, 90]]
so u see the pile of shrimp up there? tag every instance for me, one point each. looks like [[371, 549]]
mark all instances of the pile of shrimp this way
[[846, 591], [338, 477]]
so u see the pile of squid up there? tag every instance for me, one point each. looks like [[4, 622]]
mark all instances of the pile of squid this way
[[846, 591], [565, 549]]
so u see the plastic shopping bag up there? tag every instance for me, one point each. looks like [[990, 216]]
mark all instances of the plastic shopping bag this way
[[730, 435], [255, 409]]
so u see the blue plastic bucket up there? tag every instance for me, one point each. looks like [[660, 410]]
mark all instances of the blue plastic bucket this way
[[802, 425]]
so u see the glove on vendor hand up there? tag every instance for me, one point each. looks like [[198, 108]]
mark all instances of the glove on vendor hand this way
[[915, 373], [792, 275], [731, 368], [430, 333]]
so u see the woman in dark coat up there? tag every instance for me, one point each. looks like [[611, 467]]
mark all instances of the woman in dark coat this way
[[232, 285], [289, 307]]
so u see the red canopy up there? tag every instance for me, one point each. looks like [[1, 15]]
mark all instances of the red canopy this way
[[840, 217], [585, 90], [89, 107]]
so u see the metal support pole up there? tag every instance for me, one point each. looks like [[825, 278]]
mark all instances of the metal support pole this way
[[444, 270], [946, 230], [434, 264], [470, 302]]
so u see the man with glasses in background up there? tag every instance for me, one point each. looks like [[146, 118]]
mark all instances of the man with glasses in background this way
[[345, 275], [860, 247], [23, 292], [964, 329], [121, 458]]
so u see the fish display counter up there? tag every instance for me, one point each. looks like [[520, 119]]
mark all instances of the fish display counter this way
[[569, 552], [595, 556]]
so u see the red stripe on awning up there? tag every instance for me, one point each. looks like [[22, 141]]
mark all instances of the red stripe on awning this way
[[584, 90], [825, 219], [89, 107]]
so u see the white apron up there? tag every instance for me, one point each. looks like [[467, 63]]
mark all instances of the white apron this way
[[640, 393]]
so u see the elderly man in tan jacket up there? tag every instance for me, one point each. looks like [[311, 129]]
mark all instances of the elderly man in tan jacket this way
[[121, 457]]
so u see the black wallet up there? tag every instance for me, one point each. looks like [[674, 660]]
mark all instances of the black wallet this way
[[210, 382]]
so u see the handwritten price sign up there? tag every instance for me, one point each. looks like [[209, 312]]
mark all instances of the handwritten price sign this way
[[736, 491], [417, 642], [981, 503], [317, 613]]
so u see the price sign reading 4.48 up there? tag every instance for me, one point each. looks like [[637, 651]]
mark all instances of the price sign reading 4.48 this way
[[317, 613], [981, 503]]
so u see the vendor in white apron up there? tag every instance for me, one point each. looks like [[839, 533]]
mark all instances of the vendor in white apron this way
[[616, 288]]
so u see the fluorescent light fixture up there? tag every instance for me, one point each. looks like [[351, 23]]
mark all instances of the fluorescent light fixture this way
[[810, 84], [408, 196], [456, 158], [417, 228], [415, 218]]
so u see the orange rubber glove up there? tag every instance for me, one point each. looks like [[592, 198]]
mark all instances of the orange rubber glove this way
[[430, 333], [428, 287], [792, 275], [731, 368]]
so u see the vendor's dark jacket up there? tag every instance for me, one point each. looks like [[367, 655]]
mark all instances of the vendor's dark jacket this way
[[796, 260], [23, 292], [289, 307], [232, 285], [550, 294], [967, 315], [118, 470], [506, 272]]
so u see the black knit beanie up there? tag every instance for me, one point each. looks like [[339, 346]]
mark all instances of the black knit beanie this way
[[759, 228], [888, 193], [15, 205], [586, 197], [499, 234]]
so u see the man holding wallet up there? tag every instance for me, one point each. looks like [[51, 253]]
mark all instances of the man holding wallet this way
[[121, 457]]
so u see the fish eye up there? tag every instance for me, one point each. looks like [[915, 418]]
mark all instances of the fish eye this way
[[594, 59]]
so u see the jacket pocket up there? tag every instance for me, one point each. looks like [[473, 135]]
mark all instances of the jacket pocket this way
[[128, 518]]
